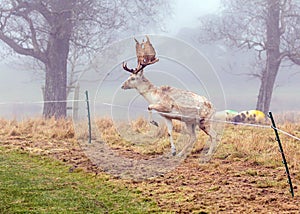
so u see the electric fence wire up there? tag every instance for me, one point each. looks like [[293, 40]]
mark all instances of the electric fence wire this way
[[242, 124], [39, 102], [288, 134]]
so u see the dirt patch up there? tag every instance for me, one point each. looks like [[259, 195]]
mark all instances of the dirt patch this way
[[223, 186]]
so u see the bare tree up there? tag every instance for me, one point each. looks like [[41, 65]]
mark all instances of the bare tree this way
[[270, 27], [48, 30]]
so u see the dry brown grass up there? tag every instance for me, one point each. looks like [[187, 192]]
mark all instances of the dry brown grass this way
[[37, 129], [49, 137], [248, 143], [238, 142], [138, 136]]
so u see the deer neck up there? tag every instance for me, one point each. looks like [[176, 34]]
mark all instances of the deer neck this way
[[147, 90]]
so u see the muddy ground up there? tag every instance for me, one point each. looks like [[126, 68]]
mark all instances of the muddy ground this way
[[222, 185]]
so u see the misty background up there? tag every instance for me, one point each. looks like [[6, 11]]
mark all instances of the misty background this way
[[21, 85]]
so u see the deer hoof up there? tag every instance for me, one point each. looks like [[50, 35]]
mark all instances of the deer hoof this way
[[154, 123], [204, 159], [173, 152]]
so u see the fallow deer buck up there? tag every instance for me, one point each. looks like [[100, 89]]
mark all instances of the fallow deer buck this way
[[171, 103]]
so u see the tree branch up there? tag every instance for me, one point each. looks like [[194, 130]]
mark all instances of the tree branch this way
[[37, 6], [33, 35], [21, 50], [295, 58], [251, 44], [283, 55]]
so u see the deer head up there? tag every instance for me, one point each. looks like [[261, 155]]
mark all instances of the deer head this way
[[145, 54], [135, 80]]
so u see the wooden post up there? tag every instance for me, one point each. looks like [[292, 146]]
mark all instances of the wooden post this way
[[75, 103], [75, 107]]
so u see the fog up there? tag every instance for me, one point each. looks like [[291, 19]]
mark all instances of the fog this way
[[21, 93]]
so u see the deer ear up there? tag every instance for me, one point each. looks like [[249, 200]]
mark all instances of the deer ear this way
[[140, 73]]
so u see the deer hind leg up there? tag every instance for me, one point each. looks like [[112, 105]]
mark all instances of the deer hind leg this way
[[192, 138], [170, 129], [206, 127]]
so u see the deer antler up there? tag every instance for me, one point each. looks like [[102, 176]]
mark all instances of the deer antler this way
[[149, 52], [139, 51], [124, 65], [145, 54]]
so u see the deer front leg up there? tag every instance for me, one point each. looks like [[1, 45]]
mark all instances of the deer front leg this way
[[153, 122], [165, 109], [160, 108], [170, 129]]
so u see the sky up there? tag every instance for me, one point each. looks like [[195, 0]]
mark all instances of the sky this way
[[187, 12]]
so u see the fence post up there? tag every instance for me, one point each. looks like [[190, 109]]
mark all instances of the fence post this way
[[75, 103], [282, 153], [88, 115]]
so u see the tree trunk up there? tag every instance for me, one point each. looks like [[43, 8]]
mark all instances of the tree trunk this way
[[56, 65], [56, 80], [273, 54], [266, 88]]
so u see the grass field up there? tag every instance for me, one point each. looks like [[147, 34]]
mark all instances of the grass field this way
[[34, 184], [44, 170]]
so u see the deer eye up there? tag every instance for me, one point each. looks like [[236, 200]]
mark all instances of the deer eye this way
[[132, 78]]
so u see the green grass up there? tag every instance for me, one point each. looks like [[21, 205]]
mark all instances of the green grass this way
[[34, 184]]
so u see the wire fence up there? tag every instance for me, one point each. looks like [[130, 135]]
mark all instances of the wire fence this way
[[126, 107], [39, 102], [240, 123]]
